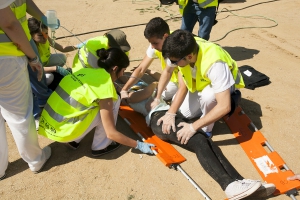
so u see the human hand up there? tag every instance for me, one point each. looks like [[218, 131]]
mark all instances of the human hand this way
[[295, 177], [44, 21], [36, 65], [144, 147], [184, 134], [62, 71], [168, 121]]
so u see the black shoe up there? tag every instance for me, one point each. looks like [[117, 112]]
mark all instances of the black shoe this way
[[3, 177], [113, 146], [73, 145]]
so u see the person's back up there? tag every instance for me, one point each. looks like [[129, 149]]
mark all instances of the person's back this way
[[87, 57]]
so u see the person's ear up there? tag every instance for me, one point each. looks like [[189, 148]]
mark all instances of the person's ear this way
[[165, 36], [115, 68]]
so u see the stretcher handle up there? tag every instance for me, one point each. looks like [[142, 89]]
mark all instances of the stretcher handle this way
[[177, 166]]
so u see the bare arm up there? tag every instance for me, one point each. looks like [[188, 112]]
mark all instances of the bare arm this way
[[180, 95], [164, 80], [221, 109], [60, 47], [12, 27], [106, 107], [33, 10], [138, 73]]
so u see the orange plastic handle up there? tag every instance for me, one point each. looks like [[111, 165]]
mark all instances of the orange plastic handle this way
[[166, 153]]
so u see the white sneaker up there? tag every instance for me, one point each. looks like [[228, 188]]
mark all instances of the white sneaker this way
[[241, 189], [47, 152], [265, 190], [37, 123]]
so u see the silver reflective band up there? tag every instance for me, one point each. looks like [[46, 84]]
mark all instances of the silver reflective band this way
[[81, 60], [17, 3], [60, 118], [69, 100], [91, 58], [72, 102], [205, 3], [4, 38]]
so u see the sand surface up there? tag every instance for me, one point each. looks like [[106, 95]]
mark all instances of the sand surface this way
[[128, 174]]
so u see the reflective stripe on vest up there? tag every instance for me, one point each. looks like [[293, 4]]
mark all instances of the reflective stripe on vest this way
[[7, 47], [91, 58], [72, 102], [4, 37], [205, 3], [208, 54]]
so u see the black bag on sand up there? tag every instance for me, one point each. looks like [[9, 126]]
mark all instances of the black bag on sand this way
[[253, 78]]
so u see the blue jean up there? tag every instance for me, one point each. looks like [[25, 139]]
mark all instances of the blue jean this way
[[39, 88], [205, 16]]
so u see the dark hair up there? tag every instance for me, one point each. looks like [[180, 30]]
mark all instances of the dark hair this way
[[156, 27], [35, 26], [179, 44], [108, 58]]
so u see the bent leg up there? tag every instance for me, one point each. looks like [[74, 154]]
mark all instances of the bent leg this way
[[210, 161], [100, 139], [206, 18], [189, 17]]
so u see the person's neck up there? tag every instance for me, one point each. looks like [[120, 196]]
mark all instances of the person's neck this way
[[193, 60]]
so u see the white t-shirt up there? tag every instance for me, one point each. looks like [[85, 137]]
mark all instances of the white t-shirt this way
[[220, 76], [5, 3], [150, 52]]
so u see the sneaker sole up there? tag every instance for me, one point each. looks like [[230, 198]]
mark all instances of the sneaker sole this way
[[246, 193], [97, 155], [263, 192]]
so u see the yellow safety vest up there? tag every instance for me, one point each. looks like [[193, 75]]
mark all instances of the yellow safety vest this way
[[44, 51], [72, 107], [87, 56], [7, 47], [174, 77], [208, 54], [202, 4]]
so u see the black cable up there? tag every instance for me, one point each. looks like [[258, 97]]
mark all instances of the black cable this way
[[120, 27]]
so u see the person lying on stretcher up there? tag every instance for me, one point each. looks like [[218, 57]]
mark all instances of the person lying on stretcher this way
[[208, 153]]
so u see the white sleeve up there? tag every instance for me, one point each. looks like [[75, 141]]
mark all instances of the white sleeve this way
[[150, 52], [5, 3], [220, 76]]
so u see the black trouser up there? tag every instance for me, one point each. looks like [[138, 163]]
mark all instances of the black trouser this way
[[209, 155]]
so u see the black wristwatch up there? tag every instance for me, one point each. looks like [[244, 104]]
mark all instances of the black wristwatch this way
[[35, 59]]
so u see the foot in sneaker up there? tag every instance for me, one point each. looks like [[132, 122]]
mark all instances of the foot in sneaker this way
[[73, 145], [241, 189], [265, 190], [113, 146], [2, 177], [47, 152]]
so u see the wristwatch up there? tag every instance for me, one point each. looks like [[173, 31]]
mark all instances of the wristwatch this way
[[34, 60]]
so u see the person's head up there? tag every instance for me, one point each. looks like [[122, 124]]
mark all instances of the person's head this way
[[179, 48], [117, 39], [156, 31], [113, 60], [38, 31]]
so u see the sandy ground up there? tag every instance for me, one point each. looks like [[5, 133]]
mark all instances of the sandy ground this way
[[128, 174]]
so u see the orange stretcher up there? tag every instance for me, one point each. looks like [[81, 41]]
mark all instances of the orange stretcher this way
[[166, 153], [269, 164]]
